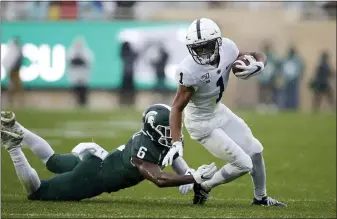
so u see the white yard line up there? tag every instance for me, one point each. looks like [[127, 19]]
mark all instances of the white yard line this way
[[126, 124], [97, 128], [66, 133]]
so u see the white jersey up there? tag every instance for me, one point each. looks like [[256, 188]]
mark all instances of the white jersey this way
[[208, 82]]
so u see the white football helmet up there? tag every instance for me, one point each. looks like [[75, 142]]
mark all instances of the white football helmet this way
[[203, 40]]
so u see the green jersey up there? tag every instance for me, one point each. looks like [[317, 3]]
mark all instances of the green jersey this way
[[118, 171]]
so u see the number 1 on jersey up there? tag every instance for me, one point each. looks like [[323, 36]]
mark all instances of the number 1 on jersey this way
[[181, 78], [220, 84]]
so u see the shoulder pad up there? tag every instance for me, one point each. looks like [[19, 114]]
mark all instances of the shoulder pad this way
[[229, 45]]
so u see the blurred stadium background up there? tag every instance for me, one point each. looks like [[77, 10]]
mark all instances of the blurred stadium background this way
[[73, 71], [48, 31]]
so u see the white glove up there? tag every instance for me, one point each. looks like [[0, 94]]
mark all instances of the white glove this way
[[184, 189], [252, 69], [204, 173], [177, 147], [92, 147]]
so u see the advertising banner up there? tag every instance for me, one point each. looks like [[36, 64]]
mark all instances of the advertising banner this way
[[45, 46]]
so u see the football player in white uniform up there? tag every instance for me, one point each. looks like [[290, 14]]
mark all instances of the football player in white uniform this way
[[202, 78]]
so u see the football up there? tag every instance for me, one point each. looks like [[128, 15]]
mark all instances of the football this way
[[240, 61]]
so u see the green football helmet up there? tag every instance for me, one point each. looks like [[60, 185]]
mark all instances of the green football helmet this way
[[156, 124]]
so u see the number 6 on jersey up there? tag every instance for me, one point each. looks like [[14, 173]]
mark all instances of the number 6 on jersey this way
[[141, 152]]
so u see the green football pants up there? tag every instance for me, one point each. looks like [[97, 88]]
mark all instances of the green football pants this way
[[77, 179]]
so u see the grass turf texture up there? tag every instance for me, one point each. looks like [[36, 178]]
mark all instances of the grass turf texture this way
[[299, 151]]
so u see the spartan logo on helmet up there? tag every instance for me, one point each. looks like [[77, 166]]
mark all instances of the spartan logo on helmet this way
[[156, 124], [149, 117]]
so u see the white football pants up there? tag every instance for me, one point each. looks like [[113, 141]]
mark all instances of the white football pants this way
[[226, 136]]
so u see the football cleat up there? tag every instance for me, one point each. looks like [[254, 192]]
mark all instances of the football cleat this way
[[11, 133], [11, 138], [200, 195], [7, 118], [267, 201]]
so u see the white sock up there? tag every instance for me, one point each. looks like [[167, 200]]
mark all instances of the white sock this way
[[217, 179], [26, 174], [180, 166], [38, 145], [226, 174], [258, 175]]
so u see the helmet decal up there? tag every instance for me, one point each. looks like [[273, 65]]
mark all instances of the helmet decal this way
[[156, 124], [149, 118]]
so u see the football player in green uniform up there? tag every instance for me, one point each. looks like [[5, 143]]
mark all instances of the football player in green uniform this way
[[90, 170]]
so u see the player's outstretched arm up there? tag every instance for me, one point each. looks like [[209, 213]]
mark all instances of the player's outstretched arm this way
[[153, 173]]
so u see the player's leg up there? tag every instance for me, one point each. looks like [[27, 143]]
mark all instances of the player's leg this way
[[222, 146], [242, 135], [82, 182], [330, 97], [11, 140], [316, 102], [56, 163], [62, 163], [217, 142]]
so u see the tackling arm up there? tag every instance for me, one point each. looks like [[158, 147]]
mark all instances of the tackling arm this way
[[153, 173]]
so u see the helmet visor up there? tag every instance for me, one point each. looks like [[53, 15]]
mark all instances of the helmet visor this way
[[204, 48], [204, 52], [165, 133]]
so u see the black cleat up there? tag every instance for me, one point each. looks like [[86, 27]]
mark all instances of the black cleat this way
[[200, 195], [267, 201]]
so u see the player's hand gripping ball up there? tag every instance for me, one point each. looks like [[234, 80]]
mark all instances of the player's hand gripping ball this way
[[242, 60], [246, 66]]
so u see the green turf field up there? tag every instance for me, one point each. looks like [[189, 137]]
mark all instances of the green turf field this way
[[300, 155]]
